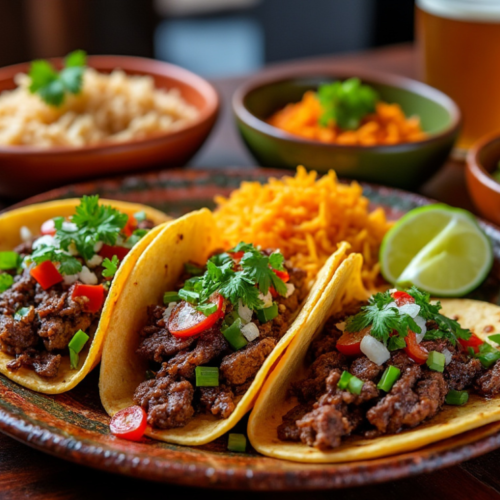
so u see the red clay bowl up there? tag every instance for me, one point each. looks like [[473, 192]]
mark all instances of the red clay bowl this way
[[404, 165], [27, 170], [482, 159]]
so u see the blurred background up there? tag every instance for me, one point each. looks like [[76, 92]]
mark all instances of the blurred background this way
[[214, 38]]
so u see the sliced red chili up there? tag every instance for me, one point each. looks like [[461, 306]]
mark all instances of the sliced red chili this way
[[130, 226], [107, 252], [273, 292], [414, 350], [95, 294], [350, 342], [129, 423], [283, 275], [186, 321], [237, 255], [48, 228], [474, 341], [402, 298], [46, 274]]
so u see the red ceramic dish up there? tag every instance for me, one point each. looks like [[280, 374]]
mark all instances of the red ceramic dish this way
[[26, 170], [482, 159]]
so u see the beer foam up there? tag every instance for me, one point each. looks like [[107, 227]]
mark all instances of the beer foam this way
[[485, 11]]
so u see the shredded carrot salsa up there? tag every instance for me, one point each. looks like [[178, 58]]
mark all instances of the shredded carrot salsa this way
[[305, 217], [388, 125]]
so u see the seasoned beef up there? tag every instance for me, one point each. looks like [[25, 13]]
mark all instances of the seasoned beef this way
[[462, 371], [17, 336], [218, 401], [168, 403], [242, 365], [44, 363], [368, 392], [20, 294], [488, 384], [365, 369], [400, 360], [288, 430]]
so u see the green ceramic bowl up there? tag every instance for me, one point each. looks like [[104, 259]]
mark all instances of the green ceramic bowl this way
[[405, 166]]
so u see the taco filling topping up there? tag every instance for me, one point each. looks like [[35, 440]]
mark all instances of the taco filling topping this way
[[53, 286], [386, 366], [208, 341]]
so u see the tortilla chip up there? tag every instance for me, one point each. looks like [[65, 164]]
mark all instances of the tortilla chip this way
[[480, 317], [190, 238], [32, 217]]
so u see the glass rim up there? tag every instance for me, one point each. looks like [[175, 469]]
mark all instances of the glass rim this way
[[487, 11]]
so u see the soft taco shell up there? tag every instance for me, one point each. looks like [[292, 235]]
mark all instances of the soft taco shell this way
[[32, 217], [190, 238], [272, 404]]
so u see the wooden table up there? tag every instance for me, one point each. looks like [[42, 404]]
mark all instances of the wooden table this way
[[27, 473]]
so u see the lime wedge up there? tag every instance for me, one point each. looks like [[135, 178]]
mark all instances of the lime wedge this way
[[437, 248]]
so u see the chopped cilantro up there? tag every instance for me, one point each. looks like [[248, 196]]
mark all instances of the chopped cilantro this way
[[52, 85], [21, 313], [259, 268], [6, 281], [140, 216], [135, 237], [68, 263], [110, 266]]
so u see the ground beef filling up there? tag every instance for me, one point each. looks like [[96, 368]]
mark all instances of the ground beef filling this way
[[172, 398], [326, 414]]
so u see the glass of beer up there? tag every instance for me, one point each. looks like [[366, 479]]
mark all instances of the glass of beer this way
[[460, 47]]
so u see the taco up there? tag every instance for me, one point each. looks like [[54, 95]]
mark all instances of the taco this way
[[198, 329], [62, 265], [380, 377]]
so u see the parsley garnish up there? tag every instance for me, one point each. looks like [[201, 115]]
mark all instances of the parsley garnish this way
[[110, 266], [346, 103], [52, 85]]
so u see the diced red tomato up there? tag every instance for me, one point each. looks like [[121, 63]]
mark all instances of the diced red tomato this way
[[283, 275], [130, 226], [107, 252], [129, 423], [350, 342], [402, 298], [95, 294], [273, 292], [237, 255], [186, 321], [48, 228], [46, 274], [474, 341], [415, 351]]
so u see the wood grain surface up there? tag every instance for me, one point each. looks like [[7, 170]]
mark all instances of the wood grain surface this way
[[27, 473]]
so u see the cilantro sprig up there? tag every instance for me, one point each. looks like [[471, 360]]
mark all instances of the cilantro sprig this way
[[346, 103], [67, 263], [52, 85], [110, 266]]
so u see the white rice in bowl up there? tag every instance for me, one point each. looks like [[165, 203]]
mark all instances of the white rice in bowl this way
[[111, 107]]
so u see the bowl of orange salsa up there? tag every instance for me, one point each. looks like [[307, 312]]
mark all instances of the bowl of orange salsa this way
[[371, 127]]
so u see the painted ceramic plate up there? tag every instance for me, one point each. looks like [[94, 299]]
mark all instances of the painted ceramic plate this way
[[74, 425]]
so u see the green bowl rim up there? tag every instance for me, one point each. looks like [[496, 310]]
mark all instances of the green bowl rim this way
[[278, 75]]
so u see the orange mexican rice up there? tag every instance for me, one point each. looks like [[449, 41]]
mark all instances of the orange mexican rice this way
[[305, 218], [388, 125]]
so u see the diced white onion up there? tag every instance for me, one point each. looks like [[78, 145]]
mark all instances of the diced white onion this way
[[289, 289], [391, 305], [267, 299], [341, 326], [447, 356], [25, 233], [168, 311], [87, 276], [72, 249], [47, 239], [69, 279], [250, 331], [69, 226], [94, 261], [411, 309], [98, 246], [421, 322], [393, 290], [374, 350], [244, 312]]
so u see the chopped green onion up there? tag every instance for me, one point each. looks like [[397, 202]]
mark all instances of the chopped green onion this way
[[237, 442], [170, 297], [73, 359], [344, 380], [230, 319], [234, 336], [489, 358], [207, 309], [207, 376], [267, 314], [389, 377], [355, 385], [495, 338], [9, 260], [191, 283], [191, 297], [6, 281], [78, 341], [193, 269], [436, 361], [140, 216], [150, 375], [21, 313], [457, 398]]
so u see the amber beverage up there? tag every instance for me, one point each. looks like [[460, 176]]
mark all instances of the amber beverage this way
[[460, 47]]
